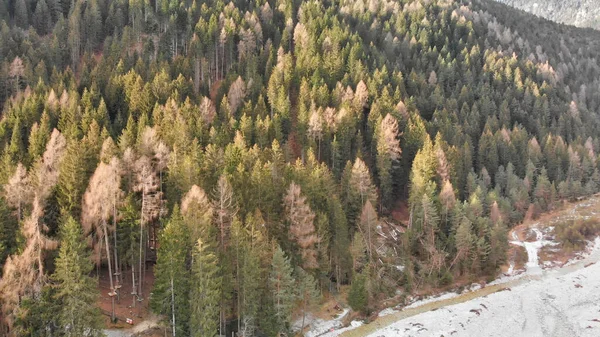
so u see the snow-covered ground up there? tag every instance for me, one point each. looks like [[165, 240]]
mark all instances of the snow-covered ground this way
[[559, 302], [318, 327], [532, 248], [552, 302], [560, 305]]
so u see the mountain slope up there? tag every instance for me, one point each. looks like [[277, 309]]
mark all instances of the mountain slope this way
[[580, 13], [289, 132]]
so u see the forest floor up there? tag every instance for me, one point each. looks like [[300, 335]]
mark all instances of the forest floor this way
[[543, 290], [124, 308]]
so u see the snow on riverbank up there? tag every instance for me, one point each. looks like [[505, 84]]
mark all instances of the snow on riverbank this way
[[561, 302], [319, 327], [558, 305], [533, 248]]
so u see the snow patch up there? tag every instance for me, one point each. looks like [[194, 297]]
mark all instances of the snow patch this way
[[387, 311], [562, 302], [320, 327]]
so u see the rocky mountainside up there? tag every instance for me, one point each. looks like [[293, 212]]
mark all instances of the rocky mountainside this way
[[580, 13]]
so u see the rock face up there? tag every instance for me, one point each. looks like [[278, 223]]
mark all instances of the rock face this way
[[580, 13]]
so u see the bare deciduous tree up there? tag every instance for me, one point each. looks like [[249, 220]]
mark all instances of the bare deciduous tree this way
[[389, 134], [47, 169], [315, 129], [18, 189], [23, 274], [225, 209], [237, 92], [367, 226], [207, 111], [361, 95], [148, 184], [302, 228], [361, 182], [17, 70], [442, 168], [99, 205], [197, 211]]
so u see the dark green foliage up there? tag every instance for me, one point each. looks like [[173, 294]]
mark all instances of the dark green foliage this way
[[425, 117], [205, 291], [172, 286], [8, 231], [75, 289], [37, 314], [281, 282], [358, 297]]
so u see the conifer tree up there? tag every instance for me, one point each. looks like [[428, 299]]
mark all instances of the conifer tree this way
[[75, 288], [464, 243], [225, 209], [388, 154], [307, 292], [368, 225], [99, 205], [422, 173], [197, 213], [8, 232], [38, 137], [42, 18], [205, 294], [72, 178], [281, 282], [358, 297], [18, 190], [21, 14], [302, 228], [251, 274], [15, 149], [171, 294]]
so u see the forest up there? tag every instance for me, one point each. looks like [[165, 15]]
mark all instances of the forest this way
[[252, 157]]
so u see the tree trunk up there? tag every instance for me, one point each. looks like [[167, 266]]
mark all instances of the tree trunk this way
[[110, 276], [117, 273], [196, 75], [141, 241], [173, 304], [133, 287], [303, 316], [239, 304]]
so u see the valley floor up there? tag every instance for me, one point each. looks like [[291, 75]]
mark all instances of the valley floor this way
[[563, 302], [546, 297]]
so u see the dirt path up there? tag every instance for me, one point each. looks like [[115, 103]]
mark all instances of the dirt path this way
[[151, 322]]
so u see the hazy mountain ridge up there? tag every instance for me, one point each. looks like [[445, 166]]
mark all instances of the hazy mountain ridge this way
[[580, 13]]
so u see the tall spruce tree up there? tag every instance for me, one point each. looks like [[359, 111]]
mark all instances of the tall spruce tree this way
[[281, 282], [76, 290], [205, 294], [172, 285]]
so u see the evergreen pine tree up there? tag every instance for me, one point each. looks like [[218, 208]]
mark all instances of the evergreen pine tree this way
[[21, 14], [307, 292], [76, 290], [205, 294], [358, 297], [171, 288], [281, 283]]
